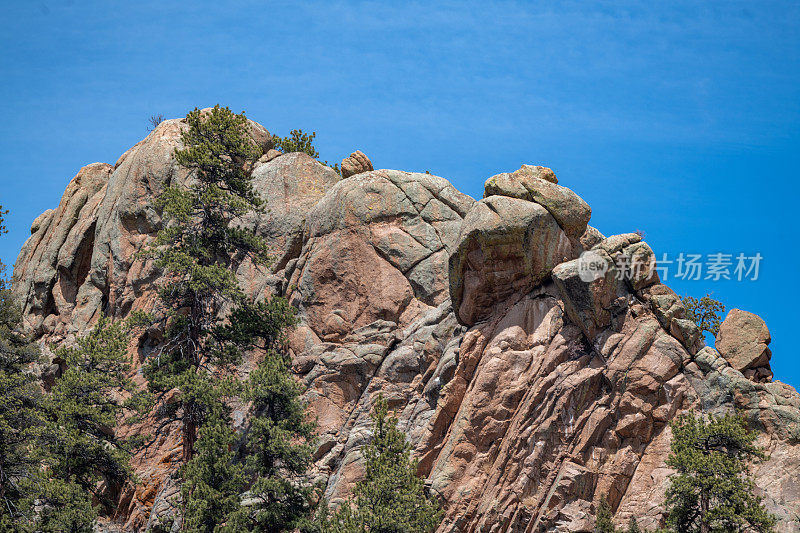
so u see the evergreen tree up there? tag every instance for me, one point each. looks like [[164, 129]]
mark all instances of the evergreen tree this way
[[19, 409], [704, 312], [196, 247], [390, 498], [213, 478], [633, 526], [210, 325], [277, 446], [604, 522], [79, 451], [299, 141], [712, 490], [64, 507]]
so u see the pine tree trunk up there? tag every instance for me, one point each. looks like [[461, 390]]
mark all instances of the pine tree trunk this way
[[189, 432], [704, 525], [190, 409]]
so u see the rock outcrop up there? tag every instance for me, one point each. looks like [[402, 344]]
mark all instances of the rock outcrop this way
[[528, 383], [356, 163], [743, 341]]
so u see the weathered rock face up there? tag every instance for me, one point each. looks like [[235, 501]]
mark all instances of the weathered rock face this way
[[526, 388], [742, 340]]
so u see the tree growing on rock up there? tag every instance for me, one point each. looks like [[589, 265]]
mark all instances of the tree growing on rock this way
[[213, 478], [604, 521], [633, 526], [20, 414], [277, 447], [210, 324], [712, 489], [196, 248], [82, 459], [391, 498], [299, 141], [704, 312]]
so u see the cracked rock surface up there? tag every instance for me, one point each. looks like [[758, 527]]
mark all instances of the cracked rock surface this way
[[525, 390]]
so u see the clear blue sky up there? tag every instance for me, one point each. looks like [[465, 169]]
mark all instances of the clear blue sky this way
[[678, 118]]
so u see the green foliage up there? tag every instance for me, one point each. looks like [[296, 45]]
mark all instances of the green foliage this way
[[78, 448], [85, 404], [197, 247], [299, 141], [704, 312], [604, 522], [213, 479], [278, 450], [20, 414], [390, 498], [210, 324], [66, 508], [633, 526], [712, 489]]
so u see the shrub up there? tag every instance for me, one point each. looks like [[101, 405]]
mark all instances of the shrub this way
[[154, 121], [704, 312]]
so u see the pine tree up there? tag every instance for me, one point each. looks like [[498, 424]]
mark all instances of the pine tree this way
[[211, 324], [196, 248], [604, 522], [633, 526], [277, 445], [64, 508], [79, 451], [712, 489], [299, 141], [390, 498], [704, 312], [213, 478], [19, 410]]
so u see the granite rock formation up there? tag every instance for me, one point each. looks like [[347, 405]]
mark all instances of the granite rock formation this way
[[526, 389]]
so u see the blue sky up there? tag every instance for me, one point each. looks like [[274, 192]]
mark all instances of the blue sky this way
[[681, 118]]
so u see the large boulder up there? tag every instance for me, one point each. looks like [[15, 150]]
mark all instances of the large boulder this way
[[375, 242], [591, 291], [743, 340], [506, 246], [539, 184]]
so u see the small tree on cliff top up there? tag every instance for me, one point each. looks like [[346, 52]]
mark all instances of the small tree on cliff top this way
[[712, 490], [704, 312], [299, 141]]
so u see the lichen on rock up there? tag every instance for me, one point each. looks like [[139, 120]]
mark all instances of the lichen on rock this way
[[525, 390]]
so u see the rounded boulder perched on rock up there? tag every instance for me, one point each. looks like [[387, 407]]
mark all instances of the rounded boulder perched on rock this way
[[539, 184], [355, 164], [506, 246], [743, 341]]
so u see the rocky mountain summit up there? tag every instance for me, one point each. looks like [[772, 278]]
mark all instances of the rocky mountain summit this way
[[527, 388]]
